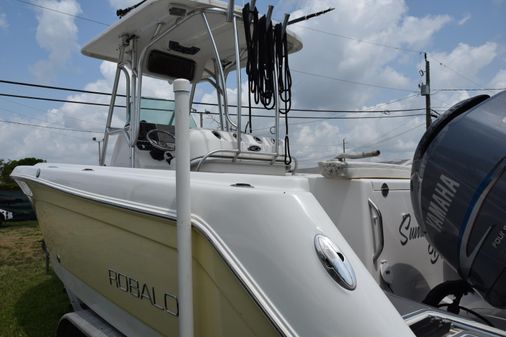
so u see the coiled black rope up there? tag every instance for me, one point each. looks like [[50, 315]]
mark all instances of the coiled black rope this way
[[284, 76], [247, 16], [284, 82], [267, 48]]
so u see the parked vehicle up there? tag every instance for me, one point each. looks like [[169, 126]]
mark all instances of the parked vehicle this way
[[5, 215]]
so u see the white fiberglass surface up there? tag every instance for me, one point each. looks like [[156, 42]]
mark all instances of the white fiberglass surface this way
[[267, 232]]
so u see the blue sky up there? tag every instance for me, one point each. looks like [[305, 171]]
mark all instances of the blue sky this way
[[466, 41]]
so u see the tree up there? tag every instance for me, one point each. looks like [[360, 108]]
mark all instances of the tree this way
[[6, 168]]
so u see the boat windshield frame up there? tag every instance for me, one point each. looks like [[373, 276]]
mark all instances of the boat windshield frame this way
[[134, 80]]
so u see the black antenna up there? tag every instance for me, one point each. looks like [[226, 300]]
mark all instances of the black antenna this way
[[122, 12], [307, 17]]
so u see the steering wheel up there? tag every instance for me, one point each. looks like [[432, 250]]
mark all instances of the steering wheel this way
[[158, 144]]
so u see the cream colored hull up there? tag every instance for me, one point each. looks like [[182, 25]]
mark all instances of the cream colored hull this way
[[129, 258], [256, 267]]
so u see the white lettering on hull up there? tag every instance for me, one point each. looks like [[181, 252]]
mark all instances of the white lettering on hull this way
[[440, 203]]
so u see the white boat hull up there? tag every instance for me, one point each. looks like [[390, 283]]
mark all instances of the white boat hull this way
[[256, 271]]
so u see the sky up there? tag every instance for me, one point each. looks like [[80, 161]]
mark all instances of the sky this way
[[365, 55]]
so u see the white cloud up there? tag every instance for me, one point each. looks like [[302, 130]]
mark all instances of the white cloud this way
[[352, 59], [462, 65], [398, 138], [315, 142], [57, 34], [464, 19], [355, 58], [417, 32], [362, 57], [499, 80], [459, 68], [3, 21], [66, 146]]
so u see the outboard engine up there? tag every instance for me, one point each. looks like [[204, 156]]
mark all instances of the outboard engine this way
[[458, 191]]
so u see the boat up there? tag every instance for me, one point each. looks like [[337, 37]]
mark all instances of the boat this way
[[214, 232]]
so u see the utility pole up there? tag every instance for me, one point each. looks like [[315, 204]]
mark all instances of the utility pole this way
[[425, 91]]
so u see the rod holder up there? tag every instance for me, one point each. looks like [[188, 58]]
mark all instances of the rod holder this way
[[252, 5], [182, 89], [269, 14], [285, 23], [230, 10]]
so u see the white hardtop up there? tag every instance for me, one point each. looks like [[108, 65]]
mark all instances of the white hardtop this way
[[155, 16]]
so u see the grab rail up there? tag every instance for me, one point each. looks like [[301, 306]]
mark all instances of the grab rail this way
[[221, 73], [244, 155], [108, 129], [377, 230]]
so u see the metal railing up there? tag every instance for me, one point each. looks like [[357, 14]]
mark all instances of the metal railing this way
[[109, 130], [134, 83]]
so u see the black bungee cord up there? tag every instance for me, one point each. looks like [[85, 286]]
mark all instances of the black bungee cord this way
[[247, 16], [267, 48], [265, 79], [284, 82]]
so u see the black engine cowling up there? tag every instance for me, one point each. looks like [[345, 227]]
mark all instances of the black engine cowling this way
[[458, 190]]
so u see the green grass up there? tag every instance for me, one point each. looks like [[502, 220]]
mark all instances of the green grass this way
[[31, 301]]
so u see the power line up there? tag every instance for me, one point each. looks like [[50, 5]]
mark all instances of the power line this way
[[91, 131], [385, 111], [62, 12], [291, 124], [49, 127], [455, 71], [35, 85], [383, 45], [349, 81], [374, 43], [378, 44], [399, 134], [362, 146], [326, 117], [400, 99], [34, 109], [19, 113], [302, 26], [470, 89], [302, 72], [58, 100], [375, 142], [207, 113], [382, 136]]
